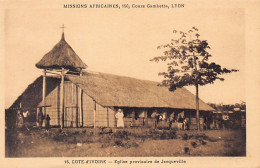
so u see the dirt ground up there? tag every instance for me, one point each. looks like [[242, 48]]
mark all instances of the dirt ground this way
[[135, 142]]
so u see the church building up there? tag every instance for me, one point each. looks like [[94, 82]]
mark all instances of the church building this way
[[75, 97]]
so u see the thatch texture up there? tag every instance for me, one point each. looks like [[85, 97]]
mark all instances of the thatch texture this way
[[116, 91], [61, 56], [113, 90], [32, 95]]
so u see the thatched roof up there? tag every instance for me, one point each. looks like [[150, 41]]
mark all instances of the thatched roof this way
[[120, 91], [113, 90], [61, 56], [32, 95]]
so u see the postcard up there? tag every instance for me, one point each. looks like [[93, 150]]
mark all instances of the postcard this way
[[120, 83]]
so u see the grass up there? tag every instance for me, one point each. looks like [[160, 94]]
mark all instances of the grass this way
[[136, 142]]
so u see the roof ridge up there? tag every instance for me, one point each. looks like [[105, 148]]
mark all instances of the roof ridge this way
[[105, 73]]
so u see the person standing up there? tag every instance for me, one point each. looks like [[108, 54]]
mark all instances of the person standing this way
[[171, 120], [47, 122], [19, 120], [120, 116], [180, 123], [41, 118], [184, 124], [155, 117], [25, 116]]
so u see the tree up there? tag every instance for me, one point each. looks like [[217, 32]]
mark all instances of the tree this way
[[188, 63]]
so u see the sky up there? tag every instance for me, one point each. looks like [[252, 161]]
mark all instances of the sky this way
[[122, 42]]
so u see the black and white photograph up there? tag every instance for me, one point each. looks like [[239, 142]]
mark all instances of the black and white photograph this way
[[129, 83]]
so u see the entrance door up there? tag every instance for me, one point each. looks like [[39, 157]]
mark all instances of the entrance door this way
[[70, 117]]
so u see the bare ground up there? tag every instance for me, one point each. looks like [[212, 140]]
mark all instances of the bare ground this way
[[141, 142]]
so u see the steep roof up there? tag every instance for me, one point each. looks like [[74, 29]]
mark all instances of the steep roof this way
[[114, 90], [61, 56]]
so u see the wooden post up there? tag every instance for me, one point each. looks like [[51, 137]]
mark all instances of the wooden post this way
[[37, 117], [81, 108], [197, 107], [94, 113], [81, 101], [107, 118], [146, 118], [114, 110], [72, 108], [44, 92], [133, 118], [58, 105], [62, 97], [77, 107]]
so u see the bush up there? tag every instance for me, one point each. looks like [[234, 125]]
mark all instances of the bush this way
[[122, 135], [119, 143]]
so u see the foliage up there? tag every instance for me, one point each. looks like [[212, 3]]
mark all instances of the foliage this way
[[228, 107], [188, 62]]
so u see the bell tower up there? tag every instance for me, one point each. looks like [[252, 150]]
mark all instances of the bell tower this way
[[59, 61]]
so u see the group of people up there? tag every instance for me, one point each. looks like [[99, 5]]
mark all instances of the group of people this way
[[185, 123], [181, 121], [23, 119], [45, 120]]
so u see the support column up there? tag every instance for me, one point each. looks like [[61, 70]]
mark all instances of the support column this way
[[197, 107], [95, 107], [145, 118], [81, 101], [62, 97], [132, 118], [58, 106], [44, 93], [107, 117], [37, 117], [81, 108], [77, 107]]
